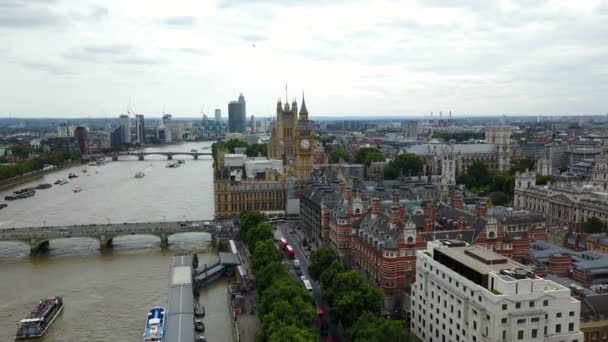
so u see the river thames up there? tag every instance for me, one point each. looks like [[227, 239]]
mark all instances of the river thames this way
[[107, 295]]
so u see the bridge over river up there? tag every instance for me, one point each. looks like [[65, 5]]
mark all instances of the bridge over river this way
[[169, 155], [38, 237]]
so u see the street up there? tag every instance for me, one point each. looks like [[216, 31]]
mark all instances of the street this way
[[294, 241]]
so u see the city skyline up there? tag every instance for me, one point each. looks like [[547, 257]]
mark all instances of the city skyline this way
[[356, 59]]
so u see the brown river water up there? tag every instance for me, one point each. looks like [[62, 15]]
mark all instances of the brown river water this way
[[107, 295]]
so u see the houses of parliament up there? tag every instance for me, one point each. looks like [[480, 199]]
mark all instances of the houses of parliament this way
[[242, 183], [292, 140]]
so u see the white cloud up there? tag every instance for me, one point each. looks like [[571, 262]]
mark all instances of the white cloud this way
[[65, 58]]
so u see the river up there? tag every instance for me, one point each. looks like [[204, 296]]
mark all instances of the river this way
[[107, 295]]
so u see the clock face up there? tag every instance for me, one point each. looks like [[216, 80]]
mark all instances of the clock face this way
[[305, 144]]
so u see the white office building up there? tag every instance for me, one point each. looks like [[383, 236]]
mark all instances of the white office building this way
[[468, 293]]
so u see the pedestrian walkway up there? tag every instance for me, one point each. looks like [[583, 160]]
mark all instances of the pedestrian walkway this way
[[247, 322]]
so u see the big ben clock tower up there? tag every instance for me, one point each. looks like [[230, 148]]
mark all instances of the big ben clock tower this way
[[305, 145]]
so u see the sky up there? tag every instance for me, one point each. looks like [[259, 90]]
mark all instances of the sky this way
[[351, 58]]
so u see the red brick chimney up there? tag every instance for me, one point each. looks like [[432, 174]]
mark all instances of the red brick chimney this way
[[429, 219], [457, 202], [348, 193], [376, 207], [462, 224], [482, 209], [395, 197], [395, 215]]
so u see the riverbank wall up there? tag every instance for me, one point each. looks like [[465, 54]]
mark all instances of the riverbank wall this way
[[24, 178]]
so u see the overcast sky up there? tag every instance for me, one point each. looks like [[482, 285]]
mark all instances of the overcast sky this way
[[352, 58]]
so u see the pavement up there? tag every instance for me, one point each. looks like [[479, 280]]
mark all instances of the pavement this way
[[295, 240], [248, 323]]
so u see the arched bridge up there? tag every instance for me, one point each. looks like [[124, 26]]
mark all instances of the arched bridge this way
[[38, 237], [169, 155]]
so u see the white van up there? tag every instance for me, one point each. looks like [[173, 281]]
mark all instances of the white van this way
[[307, 285]]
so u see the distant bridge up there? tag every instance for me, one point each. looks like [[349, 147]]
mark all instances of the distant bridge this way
[[38, 237], [169, 155]]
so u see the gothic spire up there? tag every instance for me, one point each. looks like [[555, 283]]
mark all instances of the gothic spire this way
[[303, 109]]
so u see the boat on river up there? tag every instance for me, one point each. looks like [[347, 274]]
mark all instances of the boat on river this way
[[140, 175], [155, 325], [71, 175], [77, 190], [40, 319], [193, 150], [44, 186], [3, 205]]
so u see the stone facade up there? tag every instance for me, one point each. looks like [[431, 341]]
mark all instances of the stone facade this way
[[564, 204], [292, 140]]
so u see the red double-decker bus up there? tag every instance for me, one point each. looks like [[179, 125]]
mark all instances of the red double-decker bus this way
[[291, 254]]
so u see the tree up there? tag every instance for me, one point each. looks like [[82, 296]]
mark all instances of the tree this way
[[321, 260], [248, 220], [338, 154], [594, 225], [270, 273], [522, 165], [265, 253], [254, 150], [499, 198], [368, 155], [290, 333], [329, 274], [409, 163], [542, 180], [261, 232], [373, 329]]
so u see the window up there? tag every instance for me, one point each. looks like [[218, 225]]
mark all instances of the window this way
[[504, 307], [517, 305], [521, 321], [520, 335], [545, 330], [571, 313], [531, 303], [503, 321], [535, 320], [545, 303], [534, 333], [504, 334], [570, 326], [558, 328], [474, 325], [558, 315]]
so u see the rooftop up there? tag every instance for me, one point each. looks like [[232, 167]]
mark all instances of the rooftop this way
[[482, 260]]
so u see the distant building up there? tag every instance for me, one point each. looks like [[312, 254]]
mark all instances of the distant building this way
[[218, 115], [116, 137], [65, 131], [237, 115], [140, 129], [469, 293], [125, 125], [252, 124], [411, 129], [82, 136], [565, 204]]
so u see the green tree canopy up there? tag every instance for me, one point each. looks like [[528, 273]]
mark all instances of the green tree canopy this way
[[370, 328], [368, 155], [320, 260], [254, 150], [248, 220], [522, 165], [594, 225], [409, 163], [266, 253], [261, 232], [338, 154]]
